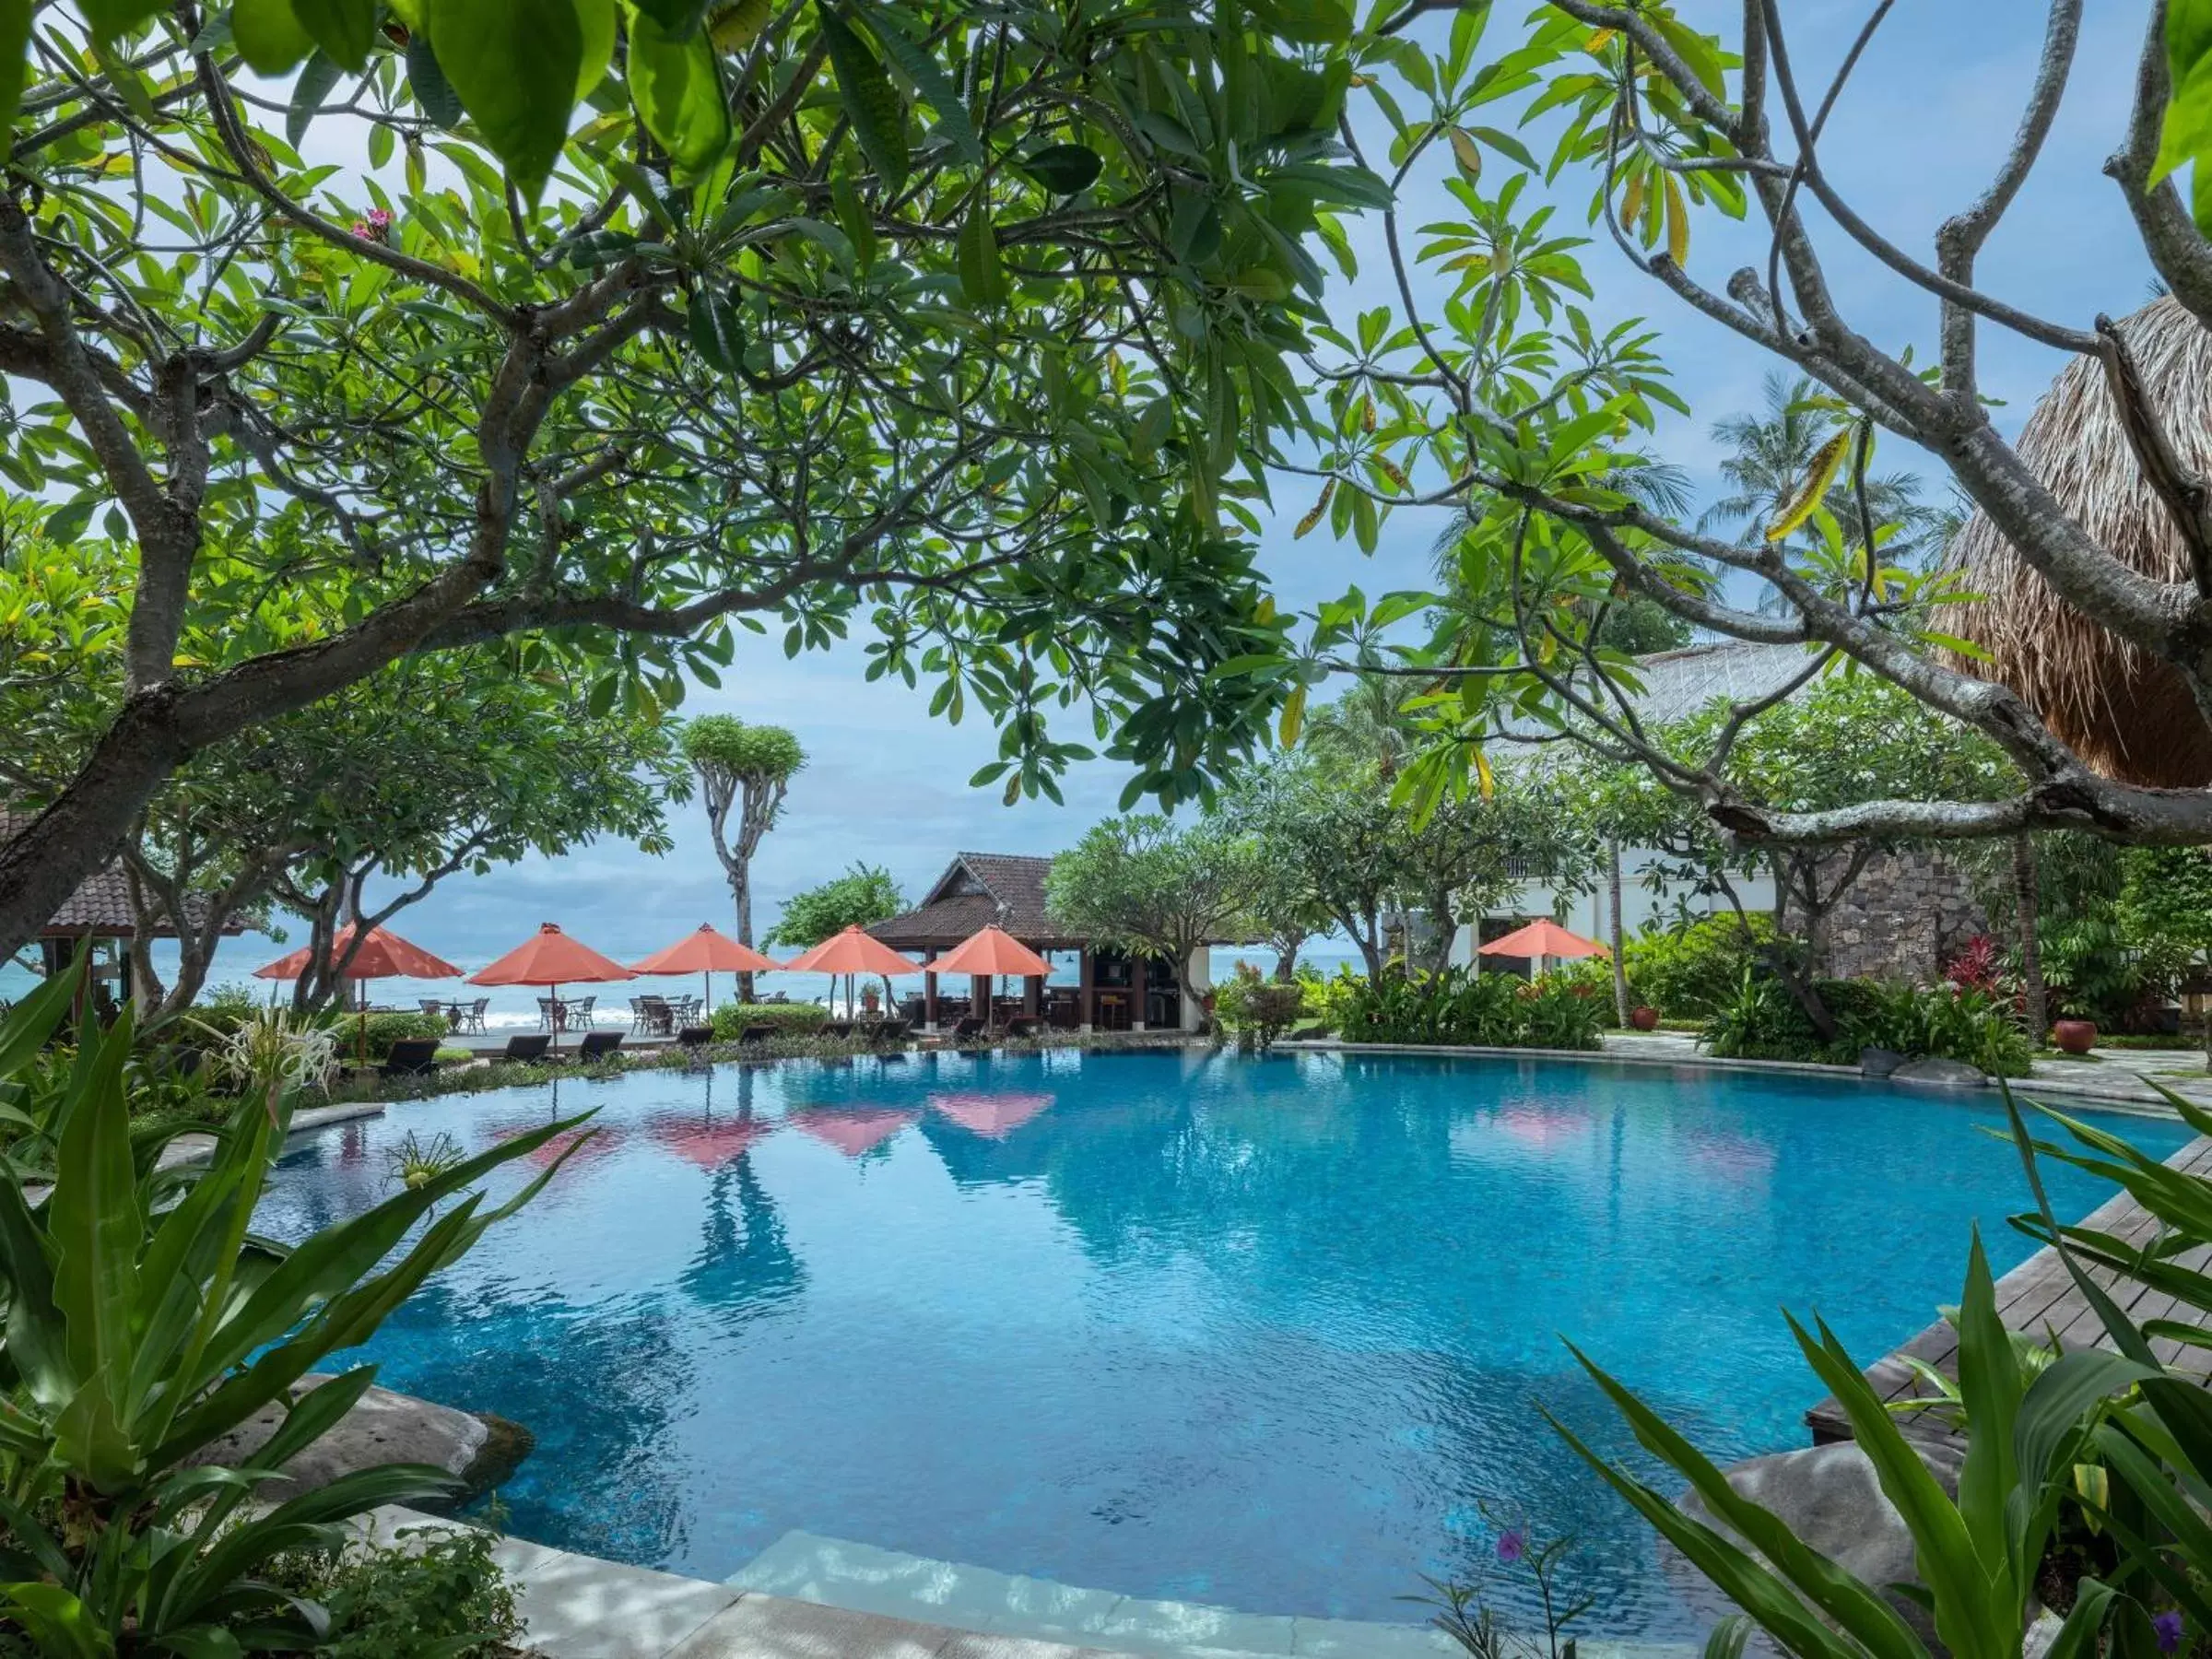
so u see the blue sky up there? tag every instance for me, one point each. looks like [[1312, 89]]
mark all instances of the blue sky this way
[[1915, 138]]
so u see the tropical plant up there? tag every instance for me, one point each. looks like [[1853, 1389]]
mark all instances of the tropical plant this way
[[793, 1019], [1463, 1007], [1257, 1010], [1141, 884], [2110, 1437], [864, 895], [748, 767], [426, 1592], [1692, 970], [966, 333], [147, 1321]]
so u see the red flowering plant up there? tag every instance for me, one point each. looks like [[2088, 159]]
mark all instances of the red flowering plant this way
[[1979, 966]]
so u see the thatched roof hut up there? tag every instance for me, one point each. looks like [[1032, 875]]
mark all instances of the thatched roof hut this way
[[2126, 713]]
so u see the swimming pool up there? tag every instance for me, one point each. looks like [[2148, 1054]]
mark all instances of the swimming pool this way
[[1262, 1333]]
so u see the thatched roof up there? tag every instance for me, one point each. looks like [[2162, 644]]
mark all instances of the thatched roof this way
[[2123, 711]]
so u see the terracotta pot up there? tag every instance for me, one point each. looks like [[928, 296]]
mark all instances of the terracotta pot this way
[[2075, 1036], [1644, 1020]]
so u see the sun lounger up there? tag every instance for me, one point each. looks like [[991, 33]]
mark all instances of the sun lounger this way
[[412, 1057], [888, 1030], [837, 1027], [598, 1045], [1024, 1025], [754, 1034], [970, 1027], [699, 1036], [526, 1048]]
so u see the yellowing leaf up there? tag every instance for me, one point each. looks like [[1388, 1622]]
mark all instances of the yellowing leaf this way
[[1631, 200], [1827, 461], [1320, 507], [1467, 153], [1293, 719], [1678, 222]]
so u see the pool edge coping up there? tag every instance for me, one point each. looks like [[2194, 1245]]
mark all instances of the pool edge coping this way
[[2025, 1086]]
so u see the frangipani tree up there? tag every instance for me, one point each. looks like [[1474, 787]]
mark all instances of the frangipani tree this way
[[749, 769], [964, 330]]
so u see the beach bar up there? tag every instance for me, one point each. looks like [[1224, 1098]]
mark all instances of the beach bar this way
[[1114, 991]]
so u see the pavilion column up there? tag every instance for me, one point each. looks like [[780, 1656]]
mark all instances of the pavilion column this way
[[1032, 995], [1086, 990], [979, 997], [929, 993], [1140, 994]]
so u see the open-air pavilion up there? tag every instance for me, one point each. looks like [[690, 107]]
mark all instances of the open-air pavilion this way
[[1113, 991]]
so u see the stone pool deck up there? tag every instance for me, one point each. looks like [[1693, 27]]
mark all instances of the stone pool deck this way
[[810, 1597]]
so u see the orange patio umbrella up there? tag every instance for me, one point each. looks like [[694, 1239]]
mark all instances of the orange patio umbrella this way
[[705, 952], [854, 951], [1541, 939], [552, 959], [991, 953], [381, 956]]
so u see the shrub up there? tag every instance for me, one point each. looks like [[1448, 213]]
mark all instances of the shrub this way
[[1763, 1021], [378, 1032], [435, 1590], [147, 1321], [789, 1019], [1692, 971], [1327, 1000], [1257, 1008], [1482, 1010]]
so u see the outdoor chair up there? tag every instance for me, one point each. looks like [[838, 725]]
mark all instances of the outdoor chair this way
[[598, 1045], [432, 1005], [469, 1016], [651, 1016], [412, 1057], [889, 1031], [837, 1027], [753, 1035], [972, 1026], [576, 1013], [1024, 1025], [699, 1036], [549, 1014], [526, 1048]]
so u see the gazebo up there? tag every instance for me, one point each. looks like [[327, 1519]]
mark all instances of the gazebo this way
[[1112, 991]]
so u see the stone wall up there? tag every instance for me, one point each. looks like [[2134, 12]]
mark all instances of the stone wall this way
[[1907, 914]]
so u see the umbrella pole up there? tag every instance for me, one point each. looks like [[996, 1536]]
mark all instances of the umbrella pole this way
[[553, 1019]]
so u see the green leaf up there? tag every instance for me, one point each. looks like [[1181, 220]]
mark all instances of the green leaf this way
[[983, 279], [308, 92], [433, 91], [871, 104], [514, 65], [269, 35], [714, 331], [62, 1626], [596, 19], [14, 50], [344, 29], [110, 18], [679, 93], [1065, 168], [929, 80], [93, 1216]]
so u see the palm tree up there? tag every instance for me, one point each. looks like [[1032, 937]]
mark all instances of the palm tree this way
[[1771, 452]]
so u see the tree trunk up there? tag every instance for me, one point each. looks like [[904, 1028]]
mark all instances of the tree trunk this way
[[2026, 899], [1286, 957], [741, 888], [1620, 972]]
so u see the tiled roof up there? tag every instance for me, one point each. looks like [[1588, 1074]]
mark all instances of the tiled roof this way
[[101, 908], [979, 890]]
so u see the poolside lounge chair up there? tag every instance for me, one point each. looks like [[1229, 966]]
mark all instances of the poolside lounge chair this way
[[412, 1057], [526, 1048], [1024, 1025], [754, 1034], [598, 1045], [837, 1027], [970, 1027], [698, 1036]]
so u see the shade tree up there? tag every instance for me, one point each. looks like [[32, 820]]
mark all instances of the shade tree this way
[[1144, 884], [964, 333]]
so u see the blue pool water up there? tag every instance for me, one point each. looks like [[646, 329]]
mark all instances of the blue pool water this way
[[1267, 1334]]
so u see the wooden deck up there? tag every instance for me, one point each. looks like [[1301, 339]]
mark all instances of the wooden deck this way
[[2040, 1298]]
